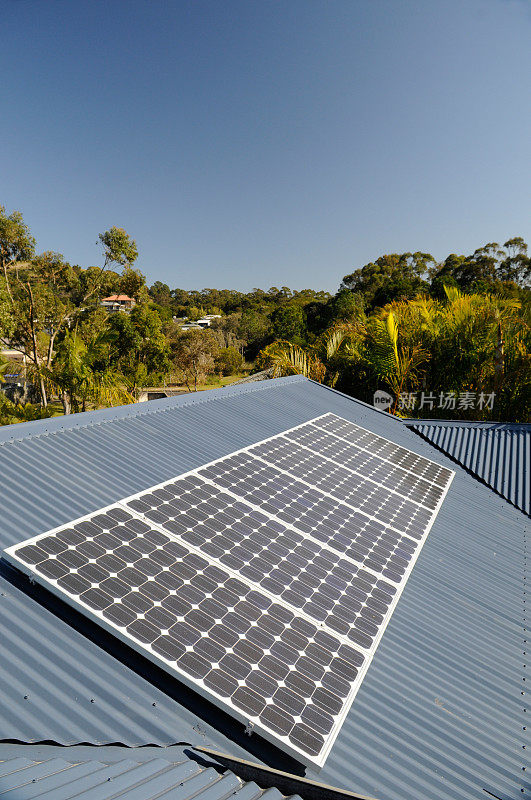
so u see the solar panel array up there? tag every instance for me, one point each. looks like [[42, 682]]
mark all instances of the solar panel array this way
[[265, 579]]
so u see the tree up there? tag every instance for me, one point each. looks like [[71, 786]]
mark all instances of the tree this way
[[317, 362], [118, 248], [390, 277], [16, 244], [394, 362], [228, 361], [254, 329], [516, 266], [44, 293], [78, 378], [132, 282], [161, 294], [289, 323], [486, 269], [138, 347], [193, 354]]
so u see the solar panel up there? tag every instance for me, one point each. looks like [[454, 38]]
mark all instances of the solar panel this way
[[265, 579]]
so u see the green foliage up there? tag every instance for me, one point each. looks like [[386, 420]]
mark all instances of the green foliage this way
[[254, 329], [16, 242], [11, 413], [228, 361], [289, 323], [400, 322], [160, 293], [193, 356], [472, 342], [390, 277], [131, 283], [486, 269], [137, 346], [118, 247], [80, 378]]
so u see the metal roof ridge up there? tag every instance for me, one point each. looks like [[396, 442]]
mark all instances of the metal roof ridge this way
[[463, 423], [85, 419]]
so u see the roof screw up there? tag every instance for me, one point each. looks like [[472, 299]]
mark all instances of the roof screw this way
[[153, 704], [26, 697], [92, 700]]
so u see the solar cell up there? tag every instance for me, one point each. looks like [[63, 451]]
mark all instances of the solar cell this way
[[388, 450], [352, 461], [299, 570], [259, 658], [264, 579], [369, 534]]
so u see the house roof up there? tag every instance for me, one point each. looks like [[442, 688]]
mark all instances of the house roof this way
[[440, 711], [146, 773], [59, 776], [498, 453], [106, 773], [117, 298]]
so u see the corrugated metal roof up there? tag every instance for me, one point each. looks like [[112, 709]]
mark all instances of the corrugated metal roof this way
[[63, 778], [498, 453], [440, 712], [146, 773]]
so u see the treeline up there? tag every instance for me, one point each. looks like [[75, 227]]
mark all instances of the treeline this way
[[404, 324]]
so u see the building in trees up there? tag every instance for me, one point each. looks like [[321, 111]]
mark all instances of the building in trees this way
[[118, 302]]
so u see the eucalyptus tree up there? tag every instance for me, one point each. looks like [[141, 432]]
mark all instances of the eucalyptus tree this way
[[42, 296]]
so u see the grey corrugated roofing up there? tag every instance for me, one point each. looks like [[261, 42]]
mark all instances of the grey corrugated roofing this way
[[440, 712], [65, 777], [498, 453]]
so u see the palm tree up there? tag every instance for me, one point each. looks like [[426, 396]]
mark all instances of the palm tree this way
[[77, 379], [395, 363], [315, 361]]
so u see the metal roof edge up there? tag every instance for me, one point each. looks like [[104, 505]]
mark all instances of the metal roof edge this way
[[28, 430], [460, 423], [188, 776], [357, 400], [42, 762], [285, 782]]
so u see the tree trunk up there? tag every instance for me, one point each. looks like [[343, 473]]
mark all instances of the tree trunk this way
[[8, 287], [65, 400], [499, 360], [42, 387]]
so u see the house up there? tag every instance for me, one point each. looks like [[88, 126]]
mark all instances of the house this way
[[191, 326], [118, 302], [206, 321], [200, 324], [440, 712]]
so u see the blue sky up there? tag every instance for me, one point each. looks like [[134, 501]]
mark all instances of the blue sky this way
[[253, 143]]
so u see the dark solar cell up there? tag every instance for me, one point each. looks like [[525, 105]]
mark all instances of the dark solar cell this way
[[300, 571], [390, 451], [216, 640]]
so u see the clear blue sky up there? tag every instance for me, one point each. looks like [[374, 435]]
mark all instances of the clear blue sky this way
[[253, 143]]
